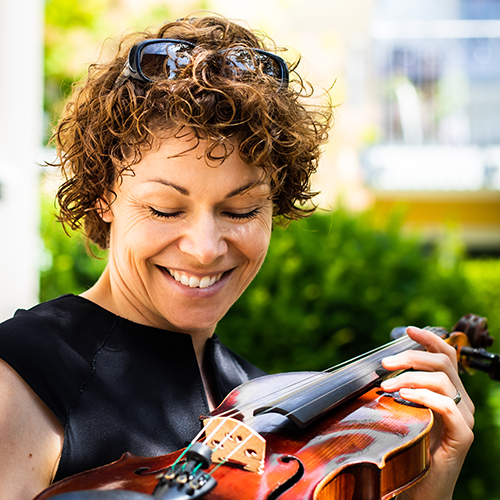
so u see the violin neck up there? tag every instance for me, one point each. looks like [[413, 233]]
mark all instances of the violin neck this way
[[308, 401]]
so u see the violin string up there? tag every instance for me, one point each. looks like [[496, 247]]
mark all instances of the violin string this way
[[227, 437], [188, 447], [311, 381], [219, 445], [363, 361], [303, 384], [195, 440], [360, 367]]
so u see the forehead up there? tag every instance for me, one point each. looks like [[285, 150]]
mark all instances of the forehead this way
[[195, 162]]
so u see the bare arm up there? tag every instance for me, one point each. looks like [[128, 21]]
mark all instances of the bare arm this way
[[31, 439]]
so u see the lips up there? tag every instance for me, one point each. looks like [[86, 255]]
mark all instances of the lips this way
[[194, 281]]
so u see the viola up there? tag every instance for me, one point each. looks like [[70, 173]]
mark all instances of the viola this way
[[322, 436]]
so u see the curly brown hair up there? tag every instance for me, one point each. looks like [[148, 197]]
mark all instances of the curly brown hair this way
[[106, 128]]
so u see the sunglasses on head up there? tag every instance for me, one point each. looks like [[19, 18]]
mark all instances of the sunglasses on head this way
[[153, 59]]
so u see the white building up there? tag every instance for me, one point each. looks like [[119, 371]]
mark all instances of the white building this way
[[21, 91]]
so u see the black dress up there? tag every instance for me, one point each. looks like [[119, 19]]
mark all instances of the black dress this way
[[114, 385]]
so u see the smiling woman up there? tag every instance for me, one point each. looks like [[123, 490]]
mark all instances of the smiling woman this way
[[178, 154]]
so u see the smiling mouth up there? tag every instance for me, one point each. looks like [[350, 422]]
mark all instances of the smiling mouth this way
[[194, 281]]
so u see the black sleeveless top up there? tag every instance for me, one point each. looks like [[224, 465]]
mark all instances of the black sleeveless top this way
[[114, 385]]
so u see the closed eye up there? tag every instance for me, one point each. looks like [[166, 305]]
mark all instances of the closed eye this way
[[244, 216], [232, 215], [165, 215]]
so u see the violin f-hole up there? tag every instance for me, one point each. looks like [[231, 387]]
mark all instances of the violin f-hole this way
[[294, 479]]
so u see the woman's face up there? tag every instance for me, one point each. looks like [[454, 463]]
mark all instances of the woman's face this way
[[186, 238]]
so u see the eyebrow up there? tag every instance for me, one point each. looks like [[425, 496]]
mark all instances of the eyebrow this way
[[181, 190], [234, 192]]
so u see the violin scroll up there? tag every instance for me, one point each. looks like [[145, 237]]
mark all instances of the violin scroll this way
[[470, 339], [476, 329]]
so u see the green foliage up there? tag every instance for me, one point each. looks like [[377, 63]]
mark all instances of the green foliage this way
[[66, 266], [484, 278], [68, 24]]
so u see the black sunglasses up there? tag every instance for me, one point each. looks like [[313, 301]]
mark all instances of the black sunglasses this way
[[164, 58]]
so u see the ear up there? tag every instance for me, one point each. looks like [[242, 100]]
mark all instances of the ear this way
[[104, 210]]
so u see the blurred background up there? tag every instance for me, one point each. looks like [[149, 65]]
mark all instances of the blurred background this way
[[409, 226]]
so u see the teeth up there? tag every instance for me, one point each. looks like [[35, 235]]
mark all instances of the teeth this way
[[205, 281], [193, 281]]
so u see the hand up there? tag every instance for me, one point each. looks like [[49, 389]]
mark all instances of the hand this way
[[434, 384]]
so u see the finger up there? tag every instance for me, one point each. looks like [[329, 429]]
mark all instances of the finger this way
[[451, 438], [432, 343], [432, 363], [438, 383], [422, 361]]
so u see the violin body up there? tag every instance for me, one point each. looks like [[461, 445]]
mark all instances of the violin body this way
[[371, 447]]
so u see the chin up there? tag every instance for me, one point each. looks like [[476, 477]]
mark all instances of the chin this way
[[193, 328]]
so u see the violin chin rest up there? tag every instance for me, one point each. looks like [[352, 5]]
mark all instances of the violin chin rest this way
[[102, 495]]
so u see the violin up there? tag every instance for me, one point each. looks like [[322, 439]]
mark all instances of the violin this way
[[320, 436]]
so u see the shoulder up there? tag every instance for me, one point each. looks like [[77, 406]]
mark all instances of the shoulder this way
[[60, 320], [64, 313], [51, 340]]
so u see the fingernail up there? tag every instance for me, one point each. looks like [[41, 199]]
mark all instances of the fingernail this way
[[387, 384], [390, 360], [415, 328], [406, 391]]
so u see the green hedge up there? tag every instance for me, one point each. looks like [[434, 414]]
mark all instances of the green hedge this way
[[332, 287]]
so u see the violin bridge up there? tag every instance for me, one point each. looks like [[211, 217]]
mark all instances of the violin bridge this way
[[234, 442]]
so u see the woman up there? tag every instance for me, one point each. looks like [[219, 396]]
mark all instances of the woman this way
[[178, 154]]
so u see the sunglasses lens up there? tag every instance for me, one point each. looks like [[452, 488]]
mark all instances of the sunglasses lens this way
[[246, 61], [164, 59]]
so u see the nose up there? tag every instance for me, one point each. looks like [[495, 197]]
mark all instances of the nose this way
[[204, 239]]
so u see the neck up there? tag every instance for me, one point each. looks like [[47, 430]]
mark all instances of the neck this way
[[110, 298], [116, 297]]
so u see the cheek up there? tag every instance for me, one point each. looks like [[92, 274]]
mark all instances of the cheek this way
[[135, 234], [254, 240]]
